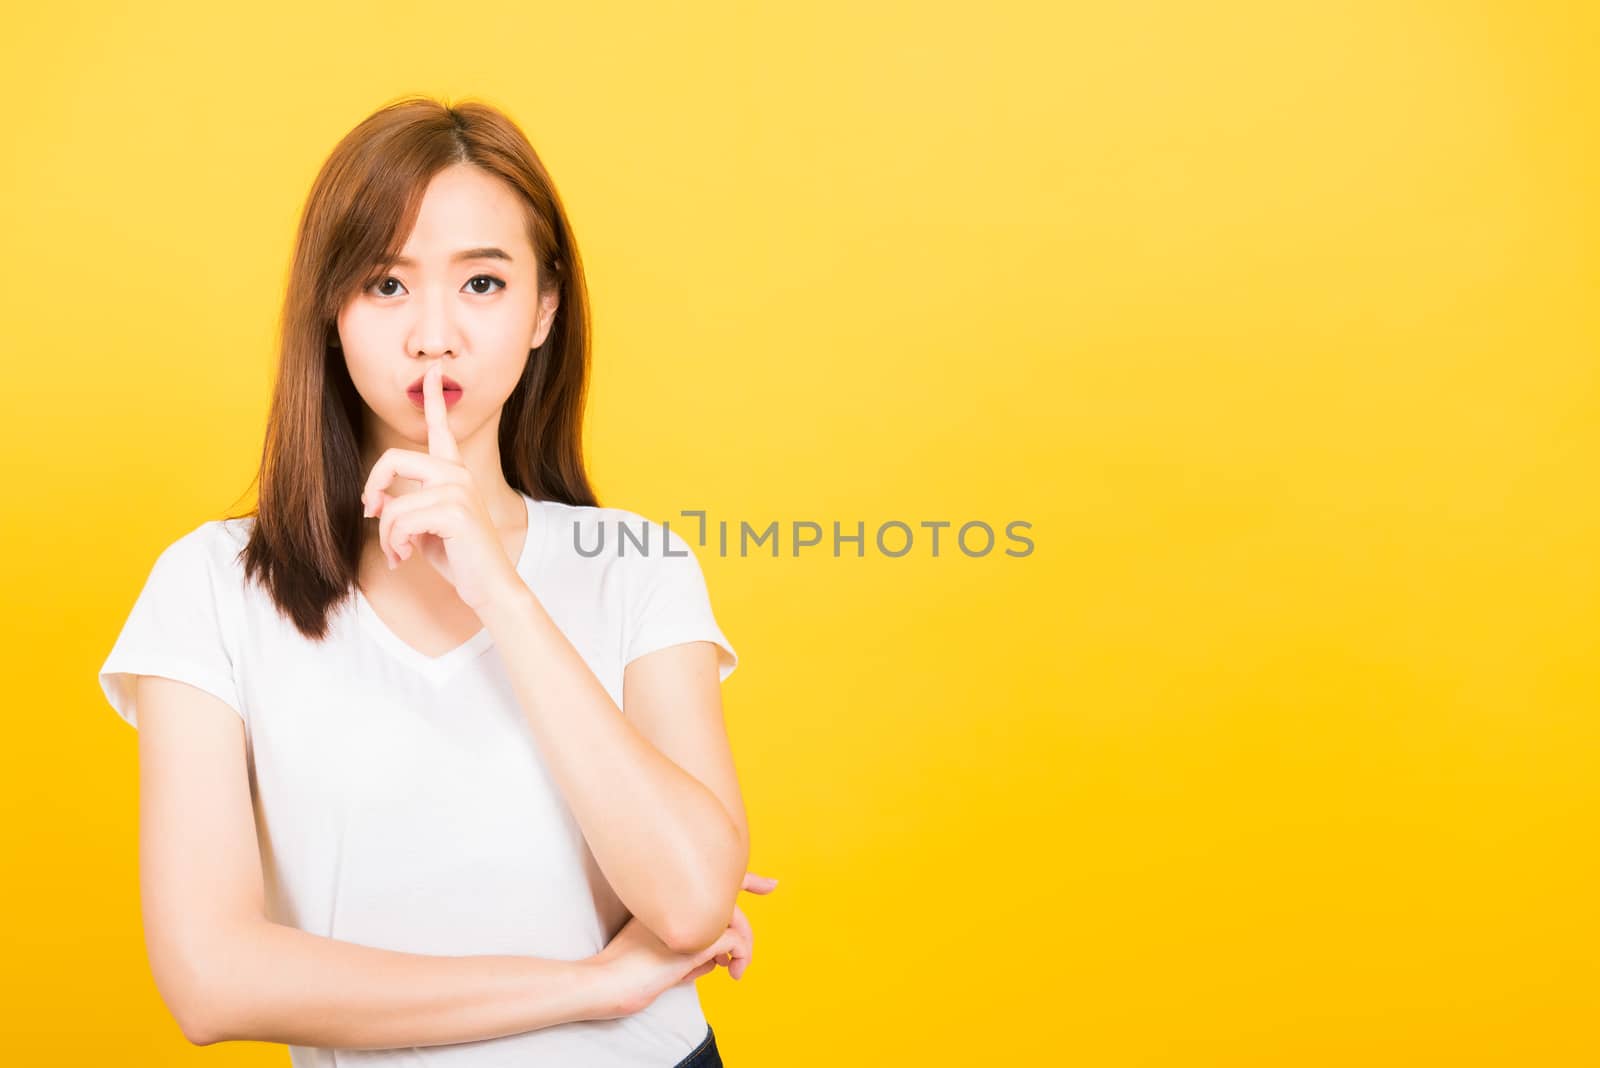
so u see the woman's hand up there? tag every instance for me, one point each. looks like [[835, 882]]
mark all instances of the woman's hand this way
[[641, 967], [736, 964], [446, 517]]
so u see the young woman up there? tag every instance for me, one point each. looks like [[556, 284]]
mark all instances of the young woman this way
[[432, 760]]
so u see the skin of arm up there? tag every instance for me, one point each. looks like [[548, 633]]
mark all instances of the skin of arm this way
[[226, 972], [271, 983], [652, 789]]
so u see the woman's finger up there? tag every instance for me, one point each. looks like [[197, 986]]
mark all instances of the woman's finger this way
[[395, 544], [421, 467], [384, 501], [739, 962], [739, 939], [441, 442], [759, 884], [719, 951]]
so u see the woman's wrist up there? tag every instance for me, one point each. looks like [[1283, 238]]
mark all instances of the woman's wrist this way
[[595, 988]]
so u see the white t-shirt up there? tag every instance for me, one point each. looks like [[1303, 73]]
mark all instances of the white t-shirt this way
[[401, 800]]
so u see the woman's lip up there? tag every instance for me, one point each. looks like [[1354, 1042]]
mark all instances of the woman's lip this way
[[417, 399], [446, 381]]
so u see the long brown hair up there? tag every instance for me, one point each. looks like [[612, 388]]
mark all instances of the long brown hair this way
[[305, 543]]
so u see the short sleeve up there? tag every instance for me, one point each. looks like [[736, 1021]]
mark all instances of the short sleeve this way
[[670, 603], [174, 630]]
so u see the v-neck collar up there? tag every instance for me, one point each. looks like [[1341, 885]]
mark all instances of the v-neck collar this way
[[438, 669]]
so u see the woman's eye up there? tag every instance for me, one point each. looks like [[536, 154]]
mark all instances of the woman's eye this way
[[471, 281]]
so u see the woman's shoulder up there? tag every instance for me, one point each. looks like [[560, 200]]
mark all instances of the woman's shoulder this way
[[209, 538], [199, 567], [225, 538], [214, 547]]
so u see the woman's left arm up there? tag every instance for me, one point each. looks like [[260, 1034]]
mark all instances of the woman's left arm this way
[[652, 785]]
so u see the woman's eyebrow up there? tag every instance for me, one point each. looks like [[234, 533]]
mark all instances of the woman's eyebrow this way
[[463, 255]]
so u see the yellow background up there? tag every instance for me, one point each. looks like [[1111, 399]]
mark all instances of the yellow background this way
[[1276, 321]]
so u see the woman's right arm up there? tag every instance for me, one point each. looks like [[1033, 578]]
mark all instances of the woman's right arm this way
[[226, 972]]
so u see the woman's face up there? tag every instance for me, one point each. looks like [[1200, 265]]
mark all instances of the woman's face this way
[[479, 315]]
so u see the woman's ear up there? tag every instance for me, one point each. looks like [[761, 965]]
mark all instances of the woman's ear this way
[[547, 315]]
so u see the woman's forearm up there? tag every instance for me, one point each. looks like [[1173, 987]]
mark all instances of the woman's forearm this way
[[662, 839], [275, 983]]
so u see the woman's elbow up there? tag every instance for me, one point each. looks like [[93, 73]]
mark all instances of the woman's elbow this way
[[198, 1035], [191, 981], [694, 935], [698, 928], [191, 1007]]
